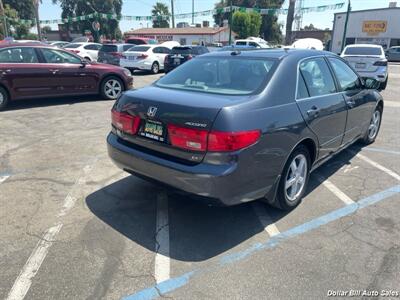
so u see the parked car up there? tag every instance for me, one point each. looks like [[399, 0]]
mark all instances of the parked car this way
[[308, 43], [252, 42], [393, 53], [145, 57], [58, 44], [369, 61], [88, 51], [112, 53], [37, 71], [182, 54], [233, 127], [140, 41]]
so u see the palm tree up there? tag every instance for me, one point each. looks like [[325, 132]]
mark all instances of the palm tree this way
[[160, 9]]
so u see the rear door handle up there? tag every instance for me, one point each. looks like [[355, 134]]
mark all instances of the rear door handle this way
[[4, 72], [54, 71], [350, 103], [313, 111]]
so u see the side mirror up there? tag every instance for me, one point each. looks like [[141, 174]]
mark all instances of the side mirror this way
[[370, 83], [84, 62]]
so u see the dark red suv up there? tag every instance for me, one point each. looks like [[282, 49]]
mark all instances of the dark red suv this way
[[33, 71]]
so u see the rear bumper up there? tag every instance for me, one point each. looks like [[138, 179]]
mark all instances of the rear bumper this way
[[139, 65], [224, 184], [380, 74]]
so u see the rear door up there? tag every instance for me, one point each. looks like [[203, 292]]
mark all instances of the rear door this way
[[68, 75], [323, 108], [24, 74], [355, 96]]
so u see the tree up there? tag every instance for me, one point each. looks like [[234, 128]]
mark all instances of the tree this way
[[19, 9], [160, 9], [108, 27], [246, 24], [310, 27], [255, 24], [270, 30], [289, 22]]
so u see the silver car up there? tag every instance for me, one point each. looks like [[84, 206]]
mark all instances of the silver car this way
[[393, 54], [369, 61]]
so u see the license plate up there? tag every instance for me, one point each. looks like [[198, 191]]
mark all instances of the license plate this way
[[360, 65], [131, 57], [177, 61], [153, 130]]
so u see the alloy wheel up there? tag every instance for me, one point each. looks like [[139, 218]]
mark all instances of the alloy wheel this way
[[296, 177], [374, 125], [112, 88]]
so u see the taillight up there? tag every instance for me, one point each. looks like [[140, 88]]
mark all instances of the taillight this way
[[125, 122], [143, 56], [75, 51], [215, 141], [186, 138], [220, 141], [380, 63], [166, 60]]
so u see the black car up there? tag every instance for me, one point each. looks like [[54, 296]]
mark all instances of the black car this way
[[240, 126], [182, 54], [111, 53]]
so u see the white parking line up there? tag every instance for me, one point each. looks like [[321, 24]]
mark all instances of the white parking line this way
[[162, 260], [334, 189], [24, 280], [3, 178], [265, 219], [376, 165]]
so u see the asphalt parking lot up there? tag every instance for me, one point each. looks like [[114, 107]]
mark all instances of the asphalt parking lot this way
[[76, 227]]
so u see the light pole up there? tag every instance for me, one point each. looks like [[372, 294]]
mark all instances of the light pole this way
[[36, 5], [3, 12], [230, 23]]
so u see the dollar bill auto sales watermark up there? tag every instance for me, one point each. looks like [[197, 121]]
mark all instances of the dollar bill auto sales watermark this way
[[363, 293]]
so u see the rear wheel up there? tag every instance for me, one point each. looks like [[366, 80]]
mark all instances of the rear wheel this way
[[111, 88], [294, 179], [155, 68], [373, 128], [3, 98]]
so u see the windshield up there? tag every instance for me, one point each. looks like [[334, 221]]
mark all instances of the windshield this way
[[220, 75], [72, 46], [139, 48], [363, 51]]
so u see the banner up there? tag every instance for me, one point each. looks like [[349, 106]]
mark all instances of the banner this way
[[211, 12]]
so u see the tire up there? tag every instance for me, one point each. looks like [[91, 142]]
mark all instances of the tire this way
[[290, 196], [155, 68], [373, 128], [108, 88], [4, 98]]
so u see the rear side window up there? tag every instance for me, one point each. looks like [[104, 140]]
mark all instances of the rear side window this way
[[53, 56], [302, 91], [348, 80], [92, 47], [109, 48], [241, 43], [18, 55], [317, 76], [363, 51], [73, 46]]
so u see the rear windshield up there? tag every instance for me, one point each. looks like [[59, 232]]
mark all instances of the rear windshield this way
[[109, 48], [73, 46], [181, 50], [139, 48], [220, 75], [363, 51]]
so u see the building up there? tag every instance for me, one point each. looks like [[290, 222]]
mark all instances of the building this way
[[373, 26], [186, 35]]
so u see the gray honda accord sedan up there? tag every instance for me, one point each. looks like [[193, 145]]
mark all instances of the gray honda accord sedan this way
[[233, 127]]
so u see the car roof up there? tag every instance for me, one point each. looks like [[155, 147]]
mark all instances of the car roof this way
[[364, 45], [34, 45]]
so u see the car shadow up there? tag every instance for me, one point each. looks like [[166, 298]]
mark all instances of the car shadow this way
[[51, 101], [197, 231]]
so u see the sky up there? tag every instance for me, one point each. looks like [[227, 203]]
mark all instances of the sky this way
[[322, 20]]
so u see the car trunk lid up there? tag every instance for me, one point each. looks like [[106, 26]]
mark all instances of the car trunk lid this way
[[363, 63]]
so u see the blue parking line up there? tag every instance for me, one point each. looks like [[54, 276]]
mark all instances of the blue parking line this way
[[177, 282], [387, 151]]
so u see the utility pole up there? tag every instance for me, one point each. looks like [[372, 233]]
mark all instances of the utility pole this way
[[192, 12], [3, 12], [230, 23], [345, 26], [173, 14], [36, 5]]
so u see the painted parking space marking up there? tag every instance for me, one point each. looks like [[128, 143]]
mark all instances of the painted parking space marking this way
[[23, 282], [265, 219], [386, 151], [334, 189], [162, 260], [178, 282], [392, 104], [376, 165], [3, 178]]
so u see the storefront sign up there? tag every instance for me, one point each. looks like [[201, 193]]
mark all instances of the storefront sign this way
[[374, 27]]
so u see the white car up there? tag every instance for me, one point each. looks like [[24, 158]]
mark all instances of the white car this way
[[308, 43], [369, 61], [252, 42], [145, 57], [88, 51]]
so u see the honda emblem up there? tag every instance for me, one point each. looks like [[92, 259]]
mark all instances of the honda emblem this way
[[151, 112]]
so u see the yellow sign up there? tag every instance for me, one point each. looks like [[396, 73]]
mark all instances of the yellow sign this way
[[374, 27]]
